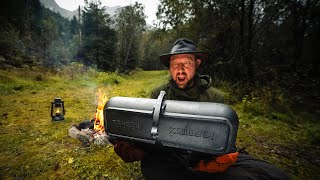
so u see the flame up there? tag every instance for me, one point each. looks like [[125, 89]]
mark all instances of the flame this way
[[99, 120]]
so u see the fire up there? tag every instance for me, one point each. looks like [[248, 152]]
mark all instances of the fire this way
[[98, 120]]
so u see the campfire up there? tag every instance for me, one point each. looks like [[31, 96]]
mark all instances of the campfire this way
[[92, 130], [98, 120]]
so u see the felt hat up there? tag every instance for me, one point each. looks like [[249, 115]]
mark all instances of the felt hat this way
[[183, 46]]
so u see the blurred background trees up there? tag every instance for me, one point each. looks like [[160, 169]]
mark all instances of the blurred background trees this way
[[257, 45], [98, 38], [130, 24], [253, 43], [249, 34]]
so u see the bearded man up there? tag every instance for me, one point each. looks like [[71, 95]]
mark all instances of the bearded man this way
[[185, 84]]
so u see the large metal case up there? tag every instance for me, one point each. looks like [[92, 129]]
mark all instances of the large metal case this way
[[204, 127]]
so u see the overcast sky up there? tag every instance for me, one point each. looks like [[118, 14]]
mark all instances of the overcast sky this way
[[150, 6]]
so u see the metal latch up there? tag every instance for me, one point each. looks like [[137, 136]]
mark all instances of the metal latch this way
[[158, 109]]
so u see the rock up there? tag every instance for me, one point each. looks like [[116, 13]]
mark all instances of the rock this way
[[101, 139], [75, 133]]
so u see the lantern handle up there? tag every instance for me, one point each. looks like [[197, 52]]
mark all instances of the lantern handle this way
[[52, 109], [63, 109]]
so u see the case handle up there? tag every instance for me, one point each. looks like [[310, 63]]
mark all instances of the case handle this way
[[156, 114]]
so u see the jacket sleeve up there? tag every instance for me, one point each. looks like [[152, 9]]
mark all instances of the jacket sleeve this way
[[212, 95], [156, 91], [153, 94]]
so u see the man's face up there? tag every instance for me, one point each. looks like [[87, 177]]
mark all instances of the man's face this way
[[183, 68]]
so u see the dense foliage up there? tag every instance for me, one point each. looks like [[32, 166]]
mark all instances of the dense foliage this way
[[248, 39], [257, 44], [130, 23], [248, 34], [33, 35], [266, 48], [98, 39]]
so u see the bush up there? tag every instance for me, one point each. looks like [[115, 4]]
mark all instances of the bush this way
[[39, 77], [73, 70], [109, 78], [256, 107]]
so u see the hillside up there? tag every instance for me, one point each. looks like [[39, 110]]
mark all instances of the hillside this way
[[53, 6], [34, 147]]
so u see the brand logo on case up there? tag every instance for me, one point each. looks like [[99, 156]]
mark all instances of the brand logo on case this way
[[191, 132], [125, 125]]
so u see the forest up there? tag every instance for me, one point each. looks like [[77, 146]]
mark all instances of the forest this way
[[253, 44], [264, 56]]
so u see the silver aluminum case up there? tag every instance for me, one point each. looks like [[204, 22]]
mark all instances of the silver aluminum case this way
[[204, 127]]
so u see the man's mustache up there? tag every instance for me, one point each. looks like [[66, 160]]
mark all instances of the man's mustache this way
[[181, 73]]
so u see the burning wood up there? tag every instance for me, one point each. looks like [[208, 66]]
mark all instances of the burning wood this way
[[93, 130]]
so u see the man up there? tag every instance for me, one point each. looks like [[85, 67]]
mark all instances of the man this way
[[185, 84]]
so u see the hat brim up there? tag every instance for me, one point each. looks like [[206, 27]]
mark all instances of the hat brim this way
[[165, 58]]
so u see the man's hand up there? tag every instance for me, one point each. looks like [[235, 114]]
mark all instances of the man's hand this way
[[220, 164], [128, 152]]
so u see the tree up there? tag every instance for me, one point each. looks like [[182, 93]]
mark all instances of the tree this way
[[231, 30], [74, 26], [152, 44], [98, 38], [211, 24], [28, 31], [130, 23]]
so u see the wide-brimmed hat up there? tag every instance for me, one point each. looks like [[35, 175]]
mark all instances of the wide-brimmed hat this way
[[183, 46]]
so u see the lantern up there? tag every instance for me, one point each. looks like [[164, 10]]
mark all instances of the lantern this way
[[57, 110]]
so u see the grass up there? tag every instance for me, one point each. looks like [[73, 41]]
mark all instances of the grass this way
[[291, 144], [34, 147]]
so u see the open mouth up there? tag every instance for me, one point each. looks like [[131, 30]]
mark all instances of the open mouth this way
[[181, 78]]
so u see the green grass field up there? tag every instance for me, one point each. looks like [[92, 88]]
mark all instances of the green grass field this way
[[34, 147]]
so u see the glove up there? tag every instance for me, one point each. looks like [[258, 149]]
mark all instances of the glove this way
[[128, 152], [220, 164]]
